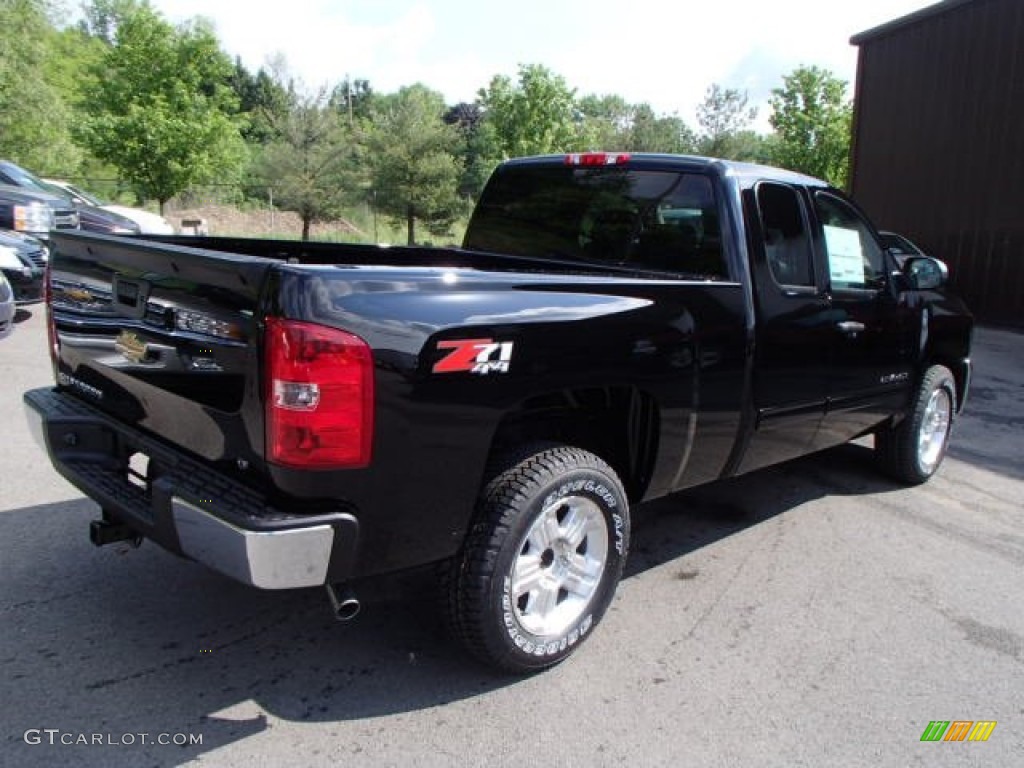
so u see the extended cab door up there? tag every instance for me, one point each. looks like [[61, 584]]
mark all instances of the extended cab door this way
[[870, 368], [795, 329]]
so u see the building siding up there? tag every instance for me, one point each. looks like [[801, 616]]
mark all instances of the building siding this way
[[938, 146]]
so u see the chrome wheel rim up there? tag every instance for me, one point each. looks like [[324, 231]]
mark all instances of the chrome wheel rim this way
[[931, 440], [559, 566]]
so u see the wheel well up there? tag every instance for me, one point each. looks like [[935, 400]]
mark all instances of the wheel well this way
[[619, 424], [959, 370]]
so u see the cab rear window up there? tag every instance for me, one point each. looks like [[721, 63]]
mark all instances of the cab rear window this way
[[650, 220]]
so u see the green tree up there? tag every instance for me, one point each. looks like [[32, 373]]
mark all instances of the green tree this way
[[353, 99], [649, 132], [605, 122], [162, 110], [310, 164], [811, 117], [34, 117], [263, 101], [724, 118], [102, 17], [537, 115], [413, 160], [72, 60], [478, 148]]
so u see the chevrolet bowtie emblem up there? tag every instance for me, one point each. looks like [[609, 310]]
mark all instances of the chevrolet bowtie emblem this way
[[132, 347], [78, 294]]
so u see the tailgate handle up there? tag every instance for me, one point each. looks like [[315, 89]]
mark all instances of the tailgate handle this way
[[130, 296]]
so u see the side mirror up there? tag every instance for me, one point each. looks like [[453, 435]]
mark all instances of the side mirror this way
[[925, 273]]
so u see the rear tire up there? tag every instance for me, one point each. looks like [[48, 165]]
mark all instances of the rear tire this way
[[541, 562], [912, 451]]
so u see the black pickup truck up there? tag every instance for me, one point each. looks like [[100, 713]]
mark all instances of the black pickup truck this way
[[614, 328]]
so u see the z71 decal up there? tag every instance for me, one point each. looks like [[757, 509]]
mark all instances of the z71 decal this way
[[481, 356]]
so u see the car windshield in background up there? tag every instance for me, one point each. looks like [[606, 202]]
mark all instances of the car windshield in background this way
[[19, 177], [86, 197], [653, 220], [899, 244]]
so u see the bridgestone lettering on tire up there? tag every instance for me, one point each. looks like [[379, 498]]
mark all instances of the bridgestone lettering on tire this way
[[542, 560], [912, 451]]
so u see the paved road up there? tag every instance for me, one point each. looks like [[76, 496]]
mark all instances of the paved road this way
[[807, 615]]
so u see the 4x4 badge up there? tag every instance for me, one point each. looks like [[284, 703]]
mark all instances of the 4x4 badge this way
[[481, 356]]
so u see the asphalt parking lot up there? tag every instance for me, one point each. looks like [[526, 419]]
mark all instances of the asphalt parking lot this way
[[812, 614]]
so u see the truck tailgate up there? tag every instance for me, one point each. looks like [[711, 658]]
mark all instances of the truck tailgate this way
[[164, 338]]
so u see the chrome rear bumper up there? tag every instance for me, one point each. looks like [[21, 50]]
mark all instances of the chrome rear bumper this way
[[296, 557], [188, 507]]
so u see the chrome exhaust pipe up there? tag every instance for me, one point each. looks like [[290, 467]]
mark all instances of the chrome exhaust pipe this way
[[344, 602]]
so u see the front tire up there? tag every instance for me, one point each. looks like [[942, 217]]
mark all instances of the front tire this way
[[542, 560], [912, 451]]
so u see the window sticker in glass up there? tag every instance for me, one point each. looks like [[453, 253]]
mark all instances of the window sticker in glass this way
[[845, 255], [855, 260]]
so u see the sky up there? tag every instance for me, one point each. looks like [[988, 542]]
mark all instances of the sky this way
[[661, 52]]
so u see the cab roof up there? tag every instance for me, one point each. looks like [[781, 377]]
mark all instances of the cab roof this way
[[745, 173]]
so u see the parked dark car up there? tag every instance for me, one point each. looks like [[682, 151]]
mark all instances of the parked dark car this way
[[35, 213], [900, 246], [23, 263], [149, 223], [903, 250], [95, 219], [91, 218]]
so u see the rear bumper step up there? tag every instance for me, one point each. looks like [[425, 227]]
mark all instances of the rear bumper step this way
[[185, 505]]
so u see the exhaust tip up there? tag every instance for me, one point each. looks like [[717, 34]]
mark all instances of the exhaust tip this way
[[344, 603], [348, 609]]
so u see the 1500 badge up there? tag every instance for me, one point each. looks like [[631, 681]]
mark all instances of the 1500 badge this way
[[481, 356]]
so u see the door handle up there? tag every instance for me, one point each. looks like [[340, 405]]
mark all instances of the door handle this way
[[851, 327]]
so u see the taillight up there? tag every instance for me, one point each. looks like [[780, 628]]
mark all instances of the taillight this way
[[319, 396], [597, 158], [51, 323]]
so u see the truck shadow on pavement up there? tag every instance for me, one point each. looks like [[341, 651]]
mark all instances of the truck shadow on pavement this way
[[125, 642], [671, 527]]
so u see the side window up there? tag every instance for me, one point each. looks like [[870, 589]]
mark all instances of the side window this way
[[786, 244], [855, 260]]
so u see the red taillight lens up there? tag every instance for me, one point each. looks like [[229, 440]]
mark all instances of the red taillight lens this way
[[597, 158], [51, 323], [319, 396]]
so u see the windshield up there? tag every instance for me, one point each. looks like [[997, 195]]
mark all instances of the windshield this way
[[87, 198], [661, 220], [22, 178], [898, 243]]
